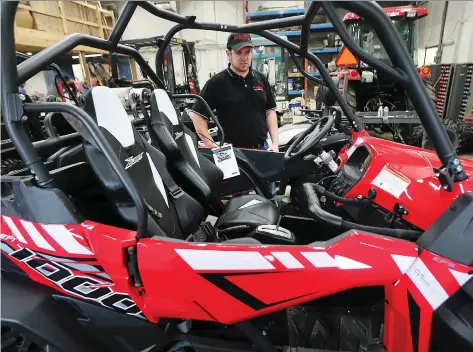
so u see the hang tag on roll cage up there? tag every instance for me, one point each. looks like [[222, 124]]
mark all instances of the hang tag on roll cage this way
[[225, 160]]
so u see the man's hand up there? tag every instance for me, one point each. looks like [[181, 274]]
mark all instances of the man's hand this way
[[202, 129], [273, 148]]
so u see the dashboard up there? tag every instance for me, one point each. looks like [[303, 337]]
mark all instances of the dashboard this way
[[352, 171]]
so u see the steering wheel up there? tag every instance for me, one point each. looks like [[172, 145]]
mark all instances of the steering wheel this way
[[309, 138]]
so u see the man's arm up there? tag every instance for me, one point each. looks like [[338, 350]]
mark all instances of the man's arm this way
[[272, 123], [202, 129], [271, 118], [199, 113]]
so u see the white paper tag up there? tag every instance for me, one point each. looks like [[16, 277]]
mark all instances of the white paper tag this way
[[391, 182], [226, 161]]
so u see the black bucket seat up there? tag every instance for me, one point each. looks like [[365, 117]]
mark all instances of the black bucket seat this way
[[197, 174], [171, 211]]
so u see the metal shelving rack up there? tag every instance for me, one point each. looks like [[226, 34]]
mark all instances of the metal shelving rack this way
[[315, 28], [454, 89]]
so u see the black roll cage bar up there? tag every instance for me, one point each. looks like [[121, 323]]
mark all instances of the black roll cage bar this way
[[403, 72]]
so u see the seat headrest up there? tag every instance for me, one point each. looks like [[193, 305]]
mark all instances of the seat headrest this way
[[104, 106], [164, 105]]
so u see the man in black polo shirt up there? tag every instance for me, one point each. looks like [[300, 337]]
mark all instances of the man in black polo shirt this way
[[243, 100]]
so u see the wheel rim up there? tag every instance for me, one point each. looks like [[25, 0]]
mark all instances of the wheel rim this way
[[13, 341]]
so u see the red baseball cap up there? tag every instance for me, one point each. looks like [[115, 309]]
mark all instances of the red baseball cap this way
[[236, 41]]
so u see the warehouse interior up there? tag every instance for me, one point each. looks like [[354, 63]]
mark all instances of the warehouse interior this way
[[235, 176], [41, 23]]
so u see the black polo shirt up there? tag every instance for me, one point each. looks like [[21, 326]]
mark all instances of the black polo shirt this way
[[241, 105]]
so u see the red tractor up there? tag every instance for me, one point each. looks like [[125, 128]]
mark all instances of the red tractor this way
[[368, 88]]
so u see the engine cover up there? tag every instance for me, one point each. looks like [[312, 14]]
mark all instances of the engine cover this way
[[399, 175]]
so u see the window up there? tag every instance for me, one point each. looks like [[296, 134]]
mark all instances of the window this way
[[364, 35]]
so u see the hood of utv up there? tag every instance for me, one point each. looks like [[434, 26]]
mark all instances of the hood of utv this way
[[410, 169]]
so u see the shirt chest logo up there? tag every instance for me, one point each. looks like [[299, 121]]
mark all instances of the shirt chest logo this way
[[258, 87]]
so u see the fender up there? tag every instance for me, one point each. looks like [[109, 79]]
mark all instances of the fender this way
[[72, 324], [31, 310], [119, 332]]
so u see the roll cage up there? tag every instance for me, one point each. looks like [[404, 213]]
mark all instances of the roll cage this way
[[402, 71]]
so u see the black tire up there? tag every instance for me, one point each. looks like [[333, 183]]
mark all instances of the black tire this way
[[319, 19], [420, 139], [357, 331], [416, 137], [452, 135], [430, 91], [460, 133], [451, 129], [351, 97], [465, 135], [325, 96], [13, 341]]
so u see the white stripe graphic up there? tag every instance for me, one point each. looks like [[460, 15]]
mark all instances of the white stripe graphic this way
[[37, 238], [14, 229], [165, 106], [403, 262], [66, 239], [427, 284], [325, 260], [320, 259], [224, 260], [288, 260], [460, 277], [190, 144], [157, 179], [347, 263]]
